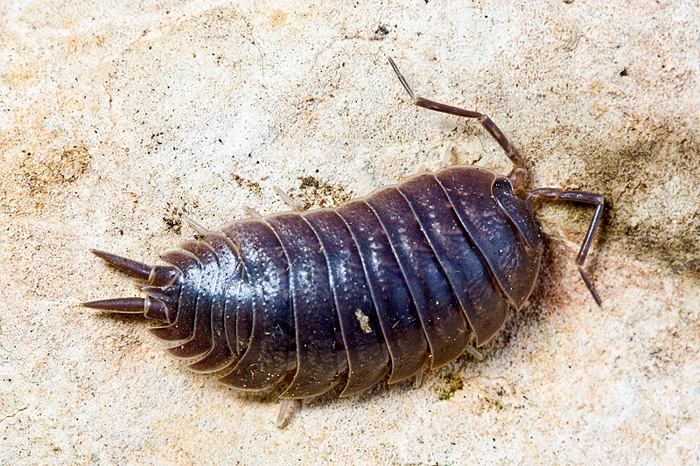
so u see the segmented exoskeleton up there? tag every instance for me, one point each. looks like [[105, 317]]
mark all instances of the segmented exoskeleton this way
[[392, 283]]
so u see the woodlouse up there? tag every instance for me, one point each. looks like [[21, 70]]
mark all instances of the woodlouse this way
[[392, 283]]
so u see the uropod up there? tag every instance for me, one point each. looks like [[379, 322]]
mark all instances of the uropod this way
[[391, 284]]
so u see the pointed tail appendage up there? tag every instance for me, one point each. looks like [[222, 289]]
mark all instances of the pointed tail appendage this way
[[160, 283]]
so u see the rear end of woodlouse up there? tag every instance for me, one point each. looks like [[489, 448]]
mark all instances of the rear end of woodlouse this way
[[401, 280]]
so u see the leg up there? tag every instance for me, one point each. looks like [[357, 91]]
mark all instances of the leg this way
[[418, 378], [286, 198], [471, 348], [517, 175], [251, 212], [475, 353], [597, 200], [196, 226], [287, 407]]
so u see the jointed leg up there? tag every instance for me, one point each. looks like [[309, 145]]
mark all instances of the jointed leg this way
[[251, 212], [293, 204], [475, 353], [287, 407], [517, 175], [597, 200]]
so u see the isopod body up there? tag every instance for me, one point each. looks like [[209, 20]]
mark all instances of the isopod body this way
[[398, 281]]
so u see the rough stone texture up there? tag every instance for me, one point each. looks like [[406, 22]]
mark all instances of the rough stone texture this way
[[118, 119]]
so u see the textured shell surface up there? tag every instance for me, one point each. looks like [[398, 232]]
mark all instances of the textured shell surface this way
[[389, 284], [401, 280]]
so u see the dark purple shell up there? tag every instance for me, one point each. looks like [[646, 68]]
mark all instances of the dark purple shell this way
[[388, 284]]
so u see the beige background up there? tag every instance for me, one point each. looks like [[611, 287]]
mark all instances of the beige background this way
[[118, 119]]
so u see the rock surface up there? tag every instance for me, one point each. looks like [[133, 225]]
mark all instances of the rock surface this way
[[120, 119]]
